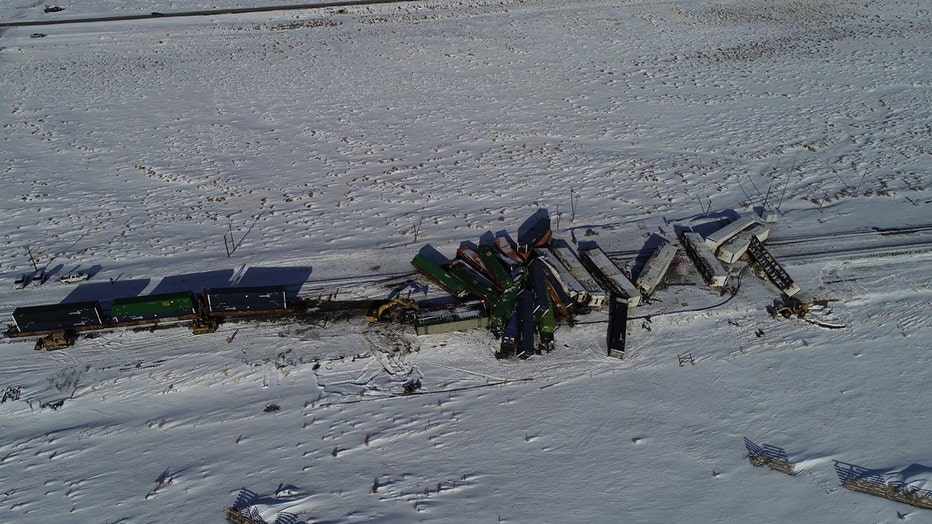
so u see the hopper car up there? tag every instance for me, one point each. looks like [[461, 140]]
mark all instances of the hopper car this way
[[149, 307], [438, 275], [215, 303], [715, 239], [655, 268], [609, 275], [709, 266], [498, 273]]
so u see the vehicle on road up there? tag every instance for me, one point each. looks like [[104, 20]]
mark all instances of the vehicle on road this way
[[21, 281], [53, 8], [73, 278]]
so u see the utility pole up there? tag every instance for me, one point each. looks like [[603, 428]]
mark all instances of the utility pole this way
[[573, 198], [788, 175], [417, 227], [32, 259]]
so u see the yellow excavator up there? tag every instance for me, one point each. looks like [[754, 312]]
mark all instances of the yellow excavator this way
[[390, 309]]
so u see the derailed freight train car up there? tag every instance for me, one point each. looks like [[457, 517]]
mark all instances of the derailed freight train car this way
[[539, 287], [496, 271], [604, 270], [57, 316], [505, 307], [593, 295], [246, 300], [559, 276], [546, 328], [709, 266], [772, 268], [617, 325], [715, 239], [164, 305], [438, 275], [468, 316], [509, 337], [526, 343], [735, 248], [655, 268], [475, 283]]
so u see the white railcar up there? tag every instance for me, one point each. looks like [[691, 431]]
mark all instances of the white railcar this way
[[595, 295], [656, 268], [603, 269], [709, 267], [735, 248], [716, 239], [567, 282]]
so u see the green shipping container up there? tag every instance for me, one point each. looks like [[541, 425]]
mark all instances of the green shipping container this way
[[164, 305]]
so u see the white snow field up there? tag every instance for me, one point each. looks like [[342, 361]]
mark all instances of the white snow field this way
[[333, 144]]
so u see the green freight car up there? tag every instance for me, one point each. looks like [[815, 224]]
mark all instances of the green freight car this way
[[496, 271], [546, 326], [474, 282], [433, 271], [150, 307], [503, 310]]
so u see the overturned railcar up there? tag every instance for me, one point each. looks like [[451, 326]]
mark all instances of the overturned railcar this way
[[438, 275], [526, 343], [609, 275], [772, 268], [709, 266], [469, 316], [594, 295], [505, 307], [738, 245], [498, 273], [538, 285], [617, 325], [474, 282], [655, 268], [715, 239], [509, 337]]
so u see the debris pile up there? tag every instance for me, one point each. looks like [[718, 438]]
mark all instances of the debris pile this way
[[520, 288]]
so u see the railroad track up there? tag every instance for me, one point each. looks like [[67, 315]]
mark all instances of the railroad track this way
[[876, 242], [205, 12], [313, 289], [856, 244]]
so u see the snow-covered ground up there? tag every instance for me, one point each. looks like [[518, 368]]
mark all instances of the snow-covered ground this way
[[333, 144]]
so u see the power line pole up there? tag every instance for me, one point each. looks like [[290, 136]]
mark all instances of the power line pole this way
[[32, 259]]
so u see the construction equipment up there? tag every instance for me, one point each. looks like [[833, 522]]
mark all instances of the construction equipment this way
[[57, 340], [391, 310], [791, 307], [202, 326], [203, 323]]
